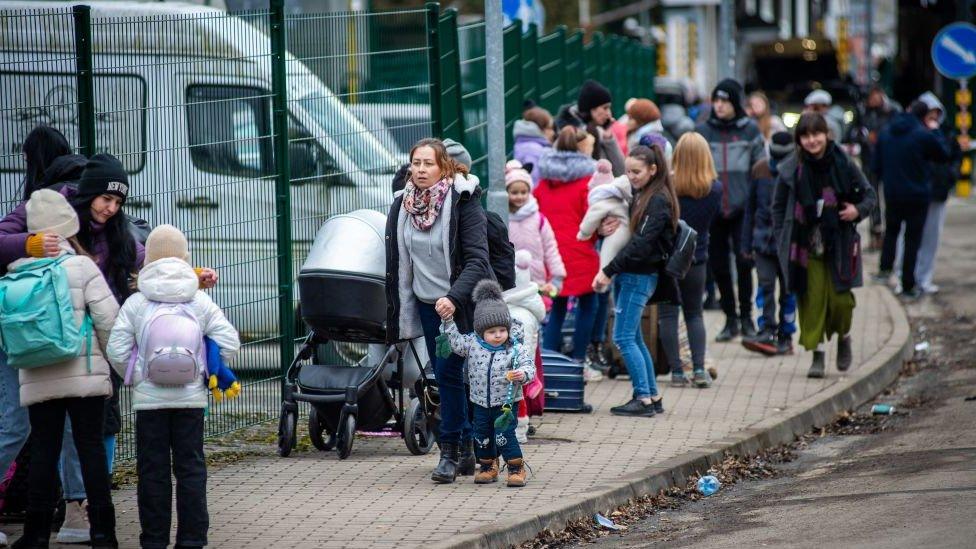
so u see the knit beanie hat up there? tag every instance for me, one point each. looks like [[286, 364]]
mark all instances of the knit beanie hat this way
[[490, 309], [592, 94], [514, 172], [166, 241], [780, 145], [643, 111], [731, 91], [103, 174], [49, 212], [458, 152], [603, 174]]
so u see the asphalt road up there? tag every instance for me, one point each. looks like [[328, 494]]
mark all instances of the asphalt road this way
[[911, 485]]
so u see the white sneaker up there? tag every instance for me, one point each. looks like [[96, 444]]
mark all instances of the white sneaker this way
[[75, 528], [3, 539], [591, 374], [931, 289]]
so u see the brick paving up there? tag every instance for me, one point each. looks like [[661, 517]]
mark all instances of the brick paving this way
[[383, 497]]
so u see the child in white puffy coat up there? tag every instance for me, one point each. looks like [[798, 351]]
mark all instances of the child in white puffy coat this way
[[525, 304], [608, 197], [169, 419]]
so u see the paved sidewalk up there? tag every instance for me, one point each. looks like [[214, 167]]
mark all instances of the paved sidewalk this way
[[383, 497]]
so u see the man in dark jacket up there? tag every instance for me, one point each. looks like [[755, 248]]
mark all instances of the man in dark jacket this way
[[905, 152], [737, 145], [877, 112], [944, 177]]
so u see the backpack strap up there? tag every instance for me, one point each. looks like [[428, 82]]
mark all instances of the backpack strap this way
[[86, 328], [140, 332], [542, 221]]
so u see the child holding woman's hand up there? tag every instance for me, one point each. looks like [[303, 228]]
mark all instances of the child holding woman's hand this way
[[497, 367]]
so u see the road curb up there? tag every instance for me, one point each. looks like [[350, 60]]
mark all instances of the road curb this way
[[816, 411]]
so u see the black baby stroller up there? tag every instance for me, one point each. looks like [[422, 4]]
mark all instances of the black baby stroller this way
[[343, 299]]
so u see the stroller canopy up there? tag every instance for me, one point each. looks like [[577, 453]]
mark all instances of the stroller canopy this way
[[350, 243]]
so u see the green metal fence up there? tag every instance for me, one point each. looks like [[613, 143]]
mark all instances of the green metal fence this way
[[248, 130]]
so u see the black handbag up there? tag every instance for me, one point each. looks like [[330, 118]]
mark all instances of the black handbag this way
[[683, 254]]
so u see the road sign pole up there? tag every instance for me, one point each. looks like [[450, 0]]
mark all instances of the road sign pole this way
[[963, 124]]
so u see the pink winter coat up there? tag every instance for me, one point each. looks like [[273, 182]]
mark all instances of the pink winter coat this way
[[529, 230]]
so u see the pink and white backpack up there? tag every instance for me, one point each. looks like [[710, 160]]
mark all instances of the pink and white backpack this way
[[173, 352]]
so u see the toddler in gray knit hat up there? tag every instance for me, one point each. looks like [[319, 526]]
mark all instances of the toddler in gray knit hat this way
[[497, 367]]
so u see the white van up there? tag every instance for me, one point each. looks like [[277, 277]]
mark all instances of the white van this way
[[186, 105]]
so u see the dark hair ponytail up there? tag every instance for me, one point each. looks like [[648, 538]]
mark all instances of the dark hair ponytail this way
[[659, 183], [121, 248]]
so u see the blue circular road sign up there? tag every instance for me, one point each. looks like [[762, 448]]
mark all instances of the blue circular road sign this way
[[954, 50]]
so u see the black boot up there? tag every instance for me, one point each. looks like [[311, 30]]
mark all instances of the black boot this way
[[747, 328], [730, 332], [817, 368], [102, 521], [467, 462], [447, 469], [37, 530], [844, 353], [784, 344]]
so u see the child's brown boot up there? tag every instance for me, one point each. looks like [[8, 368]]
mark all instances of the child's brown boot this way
[[487, 471], [516, 473]]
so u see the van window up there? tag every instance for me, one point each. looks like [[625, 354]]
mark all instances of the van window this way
[[310, 163], [229, 130]]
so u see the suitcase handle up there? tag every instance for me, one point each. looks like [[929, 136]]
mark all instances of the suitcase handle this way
[[552, 394]]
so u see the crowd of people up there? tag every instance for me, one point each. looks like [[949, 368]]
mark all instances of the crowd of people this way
[[595, 205], [595, 208], [87, 306]]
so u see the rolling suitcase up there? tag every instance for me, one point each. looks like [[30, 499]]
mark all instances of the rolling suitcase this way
[[563, 384]]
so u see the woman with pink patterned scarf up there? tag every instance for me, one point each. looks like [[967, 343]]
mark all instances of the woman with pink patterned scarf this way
[[436, 251]]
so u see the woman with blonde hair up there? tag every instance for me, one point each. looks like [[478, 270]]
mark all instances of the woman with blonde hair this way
[[760, 111], [700, 197]]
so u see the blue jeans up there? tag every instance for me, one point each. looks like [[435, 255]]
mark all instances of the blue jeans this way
[[552, 336], [487, 443], [600, 320], [449, 373], [69, 466], [631, 293], [14, 421]]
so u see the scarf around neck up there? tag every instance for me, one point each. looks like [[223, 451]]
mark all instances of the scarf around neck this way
[[530, 208], [424, 205], [827, 179]]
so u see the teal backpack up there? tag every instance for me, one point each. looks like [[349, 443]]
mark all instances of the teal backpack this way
[[37, 321]]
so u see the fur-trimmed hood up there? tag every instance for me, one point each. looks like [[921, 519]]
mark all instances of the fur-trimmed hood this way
[[462, 184], [565, 166]]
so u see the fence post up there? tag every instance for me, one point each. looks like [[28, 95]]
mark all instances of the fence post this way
[[279, 89], [85, 79], [433, 66]]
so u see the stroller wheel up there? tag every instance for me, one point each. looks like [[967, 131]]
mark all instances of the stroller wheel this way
[[345, 436], [287, 425], [316, 430], [418, 431]]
